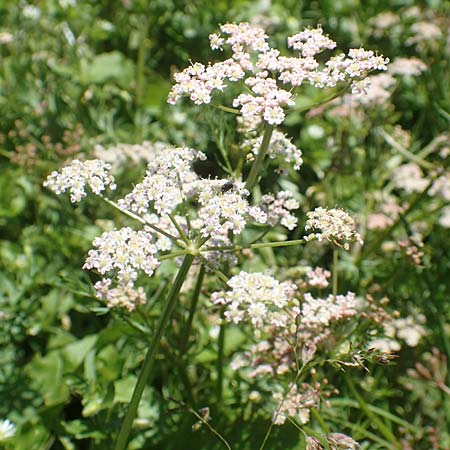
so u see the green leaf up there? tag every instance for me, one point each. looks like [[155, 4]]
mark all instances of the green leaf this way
[[47, 373], [112, 66], [75, 353]]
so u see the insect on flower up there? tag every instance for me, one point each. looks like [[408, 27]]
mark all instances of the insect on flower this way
[[227, 187]]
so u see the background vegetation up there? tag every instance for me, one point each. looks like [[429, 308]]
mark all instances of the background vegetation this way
[[75, 74]]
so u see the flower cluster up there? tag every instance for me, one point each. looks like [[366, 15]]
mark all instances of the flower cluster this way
[[263, 68], [441, 187], [409, 329], [318, 278], [224, 210], [412, 67], [409, 177], [118, 154], [334, 225], [77, 175], [295, 404], [319, 313], [336, 441], [169, 176], [444, 219], [125, 252], [386, 213], [259, 299], [278, 209], [295, 324]]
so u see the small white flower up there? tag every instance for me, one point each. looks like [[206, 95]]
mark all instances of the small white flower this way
[[7, 429]]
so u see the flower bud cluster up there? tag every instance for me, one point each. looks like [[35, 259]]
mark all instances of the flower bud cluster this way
[[77, 175], [334, 225], [263, 68]]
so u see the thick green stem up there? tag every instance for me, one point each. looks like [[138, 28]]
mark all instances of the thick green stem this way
[[166, 313], [257, 165], [335, 271], [192, 309]]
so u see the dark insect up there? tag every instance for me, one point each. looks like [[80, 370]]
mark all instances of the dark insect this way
[[226, 187]]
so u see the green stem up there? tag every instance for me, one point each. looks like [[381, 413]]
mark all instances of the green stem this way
[[220, 359], [335, 271], [226, 108], [257, 165], [278, 244], [166, 313], [382, 428], [319, 419], [405, 152], [259, 245], [179, 229], [171, 255], [140, 64], [321, 102], [266, 437], [192, 309], [140, 219]]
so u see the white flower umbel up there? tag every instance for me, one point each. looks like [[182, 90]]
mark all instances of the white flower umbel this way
[[159, 203], [263, 69], [334, 225], [77, 175], [259, 299], [7, 430]]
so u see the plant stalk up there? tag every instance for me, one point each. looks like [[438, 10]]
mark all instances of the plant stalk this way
[[192, 309], [335, 271], [258, 163], [147, 366]]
